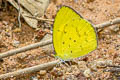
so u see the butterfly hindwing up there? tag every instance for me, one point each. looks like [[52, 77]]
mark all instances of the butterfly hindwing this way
[[73, 36]]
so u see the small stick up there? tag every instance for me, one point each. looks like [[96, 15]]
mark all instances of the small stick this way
[[115, 66], [25, 48], [41, 19], [98, 26], [30, 69], [19, 12], [112, 70], [108, 23]]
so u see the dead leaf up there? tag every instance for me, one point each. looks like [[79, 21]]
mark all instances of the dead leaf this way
[[32, 8]]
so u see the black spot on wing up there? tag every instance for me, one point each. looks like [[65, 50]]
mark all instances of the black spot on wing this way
[[69, 46], [81, 47], [73, 19], [74, 40], [65, 32], [86, 40], [66, 24], [85, 33]]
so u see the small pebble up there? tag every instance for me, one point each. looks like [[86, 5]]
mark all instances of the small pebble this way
[[82, 65], [15, 43], [115, 28], [75, 1], [87, 73], [118, 35], [99, 64], [57, 72], [33, 78], [23, 56], [43, 72], [104, 63], [71, 77], [0, 36], [5, 22]]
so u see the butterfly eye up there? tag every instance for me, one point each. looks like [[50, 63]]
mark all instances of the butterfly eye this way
[[70, 51], [63, 42]]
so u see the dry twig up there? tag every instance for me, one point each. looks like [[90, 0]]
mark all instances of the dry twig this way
[[32, 46], [108, 23], [29, 70], [19, 12], [112, 70], [98, 26], [115, 66], [41, 19]]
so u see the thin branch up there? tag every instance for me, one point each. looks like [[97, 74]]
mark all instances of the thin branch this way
[[115, 66], [41, 19], [30, 69], [98, 26], [112, 70], [108, 23], [32, 46], [19, 12]]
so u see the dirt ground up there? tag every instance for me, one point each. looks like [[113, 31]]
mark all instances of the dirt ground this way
[[89, 68]]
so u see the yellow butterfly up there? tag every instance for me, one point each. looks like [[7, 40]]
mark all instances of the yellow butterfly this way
[[73, 36]]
